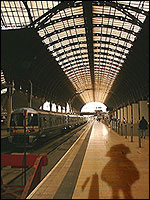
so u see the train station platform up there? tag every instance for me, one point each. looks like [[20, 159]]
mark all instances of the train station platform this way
[[101, 164]]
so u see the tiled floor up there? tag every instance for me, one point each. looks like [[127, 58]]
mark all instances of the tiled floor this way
[[113, 168]]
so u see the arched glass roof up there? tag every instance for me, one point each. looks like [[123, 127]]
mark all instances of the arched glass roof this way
[[90, 40]]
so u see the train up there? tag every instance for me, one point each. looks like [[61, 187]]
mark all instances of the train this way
[[27, 125]]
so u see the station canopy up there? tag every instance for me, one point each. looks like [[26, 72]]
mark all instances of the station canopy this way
[[90, 40]]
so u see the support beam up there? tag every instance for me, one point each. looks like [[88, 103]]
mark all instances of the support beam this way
[[88, 15], [144, 109], [135, 109], [30, 95], [9, 104]]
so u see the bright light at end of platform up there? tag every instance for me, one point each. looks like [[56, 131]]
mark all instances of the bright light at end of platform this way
[[92, 106]]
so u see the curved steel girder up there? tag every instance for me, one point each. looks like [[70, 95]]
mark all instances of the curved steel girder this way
[[83, 26], [53, 84], [46, 16], [73, 50], [130, 93], [96, 34], [52, 22], [28, 11], [128, 85], [102, 53], [56, 87], [84, 42], [122, 9], [85, 63], [122, 6], [113, 50]]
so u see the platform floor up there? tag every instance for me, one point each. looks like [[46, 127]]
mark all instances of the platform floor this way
[[100, 165]]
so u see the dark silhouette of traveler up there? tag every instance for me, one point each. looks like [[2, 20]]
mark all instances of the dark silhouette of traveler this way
[[143, 125], [94, 187], [120, 172]]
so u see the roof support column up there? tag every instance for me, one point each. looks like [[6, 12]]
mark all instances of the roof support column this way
[[143, 109], [129, 113], [125, 113], [9, 103], [30, 95], [135, 108], [50, 106], [121, 114], [56, 108]]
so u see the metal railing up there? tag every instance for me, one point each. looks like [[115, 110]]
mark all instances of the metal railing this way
[[126, 130], [21, 191]]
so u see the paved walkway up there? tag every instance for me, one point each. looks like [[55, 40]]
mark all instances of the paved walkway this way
[[100, 165]]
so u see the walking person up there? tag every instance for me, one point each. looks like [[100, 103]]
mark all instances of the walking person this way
[[143, 125]]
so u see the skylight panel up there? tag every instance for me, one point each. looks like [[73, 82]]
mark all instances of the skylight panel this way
[[62, 35], [82, 39], [124, 34], [59, 25], [111, 38], [136, 28], [11, 11], [54, 37], [80, 30], [77, 10], [75, 40], [119, 13], [79, 21], [141, 17], [68, 12], [3, 81], [65, 42]]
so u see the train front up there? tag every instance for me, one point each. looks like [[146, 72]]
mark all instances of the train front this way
[[24, 129]]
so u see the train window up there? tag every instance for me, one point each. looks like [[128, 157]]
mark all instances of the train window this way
[[32, 119], [16, 119]]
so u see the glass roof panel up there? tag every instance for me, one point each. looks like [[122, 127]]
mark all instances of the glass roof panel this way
[[65, 34]]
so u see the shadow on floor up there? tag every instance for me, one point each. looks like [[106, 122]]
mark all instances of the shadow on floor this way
[[119, 173]]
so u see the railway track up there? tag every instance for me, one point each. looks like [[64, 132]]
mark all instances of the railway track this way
[[56, 145]]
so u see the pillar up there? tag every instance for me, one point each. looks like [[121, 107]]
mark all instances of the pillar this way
[[30, 94], [9, 103], [129, 113], [56, 108], [50, 106], [135, 108], [42, 103], [143, 109], [61, 109], [115, 114], [121, 115], [125, 113]]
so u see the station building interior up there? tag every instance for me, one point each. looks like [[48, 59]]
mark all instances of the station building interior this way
[[95, 51], [71, 53]]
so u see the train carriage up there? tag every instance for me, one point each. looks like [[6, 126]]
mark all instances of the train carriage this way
[[38, 124]]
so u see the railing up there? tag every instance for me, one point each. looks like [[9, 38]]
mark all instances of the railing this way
[[125, 129], [19, 191]]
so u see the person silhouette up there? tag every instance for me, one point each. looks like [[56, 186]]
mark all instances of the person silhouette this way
[[120, 172], [94, 187]]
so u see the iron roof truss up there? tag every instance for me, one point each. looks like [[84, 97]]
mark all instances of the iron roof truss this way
[[90, 40]]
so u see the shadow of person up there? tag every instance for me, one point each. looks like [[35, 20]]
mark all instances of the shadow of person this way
[[120, 172], [94, 187]]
